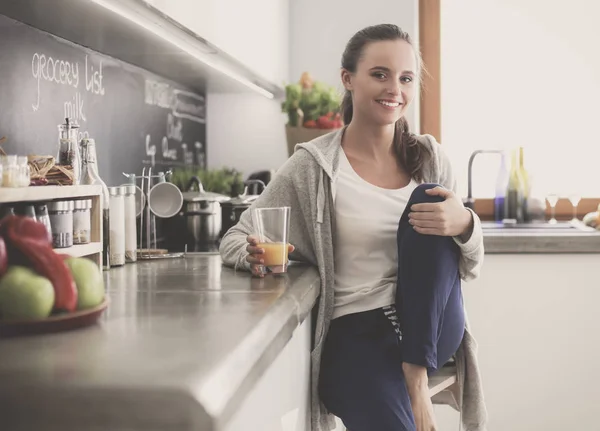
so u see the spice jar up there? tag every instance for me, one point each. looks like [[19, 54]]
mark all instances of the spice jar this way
[[61, 221], [117, 226], [41, 213], [82, 221], [10, 171], [24, 171], [130, 228]]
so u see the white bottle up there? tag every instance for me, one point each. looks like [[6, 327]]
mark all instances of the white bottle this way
[[130, 227], [117, 226]]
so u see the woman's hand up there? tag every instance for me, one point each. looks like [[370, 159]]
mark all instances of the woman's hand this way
[[448, 218], [255, 256]]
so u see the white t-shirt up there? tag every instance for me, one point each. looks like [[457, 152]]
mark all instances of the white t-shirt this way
[[366, 252]]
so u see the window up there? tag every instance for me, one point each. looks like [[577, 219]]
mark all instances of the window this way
[[522, 73]]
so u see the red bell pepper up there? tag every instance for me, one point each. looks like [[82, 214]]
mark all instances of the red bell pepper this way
[[3, 257]]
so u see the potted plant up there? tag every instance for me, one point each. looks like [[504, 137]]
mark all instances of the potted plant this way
[[313, 109], [224, 181]]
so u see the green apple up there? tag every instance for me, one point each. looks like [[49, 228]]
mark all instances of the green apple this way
[[25, 295], [89, 281]]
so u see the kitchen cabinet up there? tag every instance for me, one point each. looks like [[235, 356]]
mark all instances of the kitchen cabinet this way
[[280, 400], [535, 318]]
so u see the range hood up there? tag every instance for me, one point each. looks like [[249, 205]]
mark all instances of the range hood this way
[[135, 32]]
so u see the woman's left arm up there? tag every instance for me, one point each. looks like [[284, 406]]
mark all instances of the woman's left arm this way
[[452, 219]]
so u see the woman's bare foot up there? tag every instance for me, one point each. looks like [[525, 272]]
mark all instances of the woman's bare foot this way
[[417, 383]]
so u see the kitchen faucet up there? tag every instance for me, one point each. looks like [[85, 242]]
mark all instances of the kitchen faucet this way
[[470, 201]]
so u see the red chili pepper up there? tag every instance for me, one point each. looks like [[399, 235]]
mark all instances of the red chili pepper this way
[[30, 239], [3, 257]]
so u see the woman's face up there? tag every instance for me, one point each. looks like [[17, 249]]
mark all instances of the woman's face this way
[[385, 81]]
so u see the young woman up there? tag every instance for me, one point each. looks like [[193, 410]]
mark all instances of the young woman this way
[[374, 208]]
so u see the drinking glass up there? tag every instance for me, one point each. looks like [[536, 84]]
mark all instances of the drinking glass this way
[[574, 198], [271, 227], [552, 201]]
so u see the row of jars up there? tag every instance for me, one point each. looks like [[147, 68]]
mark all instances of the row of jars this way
[[14, 171], [68, 222]]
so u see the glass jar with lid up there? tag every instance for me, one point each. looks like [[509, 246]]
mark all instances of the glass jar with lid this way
[[10, 171], [24, 176], [82, 221], [68, 148]]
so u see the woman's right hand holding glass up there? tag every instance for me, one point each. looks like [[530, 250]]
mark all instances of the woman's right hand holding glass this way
[[255, 256]]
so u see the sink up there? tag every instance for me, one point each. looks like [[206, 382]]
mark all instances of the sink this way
[[536, 228]]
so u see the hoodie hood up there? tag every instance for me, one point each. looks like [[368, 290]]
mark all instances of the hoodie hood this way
[[326, 152]]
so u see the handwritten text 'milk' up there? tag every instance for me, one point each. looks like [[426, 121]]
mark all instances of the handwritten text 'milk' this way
[[67, 73]]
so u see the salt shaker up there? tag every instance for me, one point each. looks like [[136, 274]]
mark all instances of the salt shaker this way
[[61, 221], [82, 221], [117, 226], [130, 227]]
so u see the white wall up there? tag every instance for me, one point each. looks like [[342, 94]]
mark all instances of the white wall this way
[[244, 131], [523, 72], [319, 32]]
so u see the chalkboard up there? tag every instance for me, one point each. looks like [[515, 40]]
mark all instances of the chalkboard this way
[[137, 118]]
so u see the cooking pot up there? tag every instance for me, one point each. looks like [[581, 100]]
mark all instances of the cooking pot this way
[[202, 212], [233, 208]]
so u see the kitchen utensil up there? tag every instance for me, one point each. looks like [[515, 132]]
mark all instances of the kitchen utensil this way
[[233, 208], [271, 227], [202, 212], [165, 199]]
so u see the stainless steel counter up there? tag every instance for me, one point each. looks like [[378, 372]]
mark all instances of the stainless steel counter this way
[[563, 237], [179, 347]]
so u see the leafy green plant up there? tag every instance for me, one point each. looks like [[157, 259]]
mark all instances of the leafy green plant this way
[[310, 104], [225, 181]]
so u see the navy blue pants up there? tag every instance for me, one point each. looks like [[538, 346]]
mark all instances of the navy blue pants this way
[[361, 379]]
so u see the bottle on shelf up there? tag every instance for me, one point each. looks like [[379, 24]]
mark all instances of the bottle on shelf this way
[[525, 185], [501, 189], [514, 193], [91, 176]]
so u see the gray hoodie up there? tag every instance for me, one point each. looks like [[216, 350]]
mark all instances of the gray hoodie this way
[[306, 182]]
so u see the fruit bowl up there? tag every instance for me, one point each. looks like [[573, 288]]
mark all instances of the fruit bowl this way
[[54, 323]]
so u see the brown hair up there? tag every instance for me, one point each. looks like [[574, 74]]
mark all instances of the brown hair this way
[[411, 154]]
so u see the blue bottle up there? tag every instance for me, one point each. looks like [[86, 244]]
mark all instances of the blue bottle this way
[[501, 188]]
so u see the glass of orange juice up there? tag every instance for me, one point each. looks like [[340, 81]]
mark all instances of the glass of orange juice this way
[[271, 227]]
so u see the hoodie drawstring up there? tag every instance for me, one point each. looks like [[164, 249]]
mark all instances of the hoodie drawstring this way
[[320, 198]]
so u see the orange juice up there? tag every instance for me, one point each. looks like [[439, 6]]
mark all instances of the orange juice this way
[[276, 253]]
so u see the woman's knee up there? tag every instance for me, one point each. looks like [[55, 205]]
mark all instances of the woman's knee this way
[[420, 196]]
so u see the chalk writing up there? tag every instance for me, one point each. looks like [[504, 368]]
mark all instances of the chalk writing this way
[[62, 72], [93, 79], [53, 70]]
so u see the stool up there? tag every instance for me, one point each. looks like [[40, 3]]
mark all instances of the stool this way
[[442, 379]]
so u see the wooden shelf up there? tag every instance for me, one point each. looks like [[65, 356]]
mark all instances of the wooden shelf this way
[[46, 193], [92, 250], [81, 250]]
